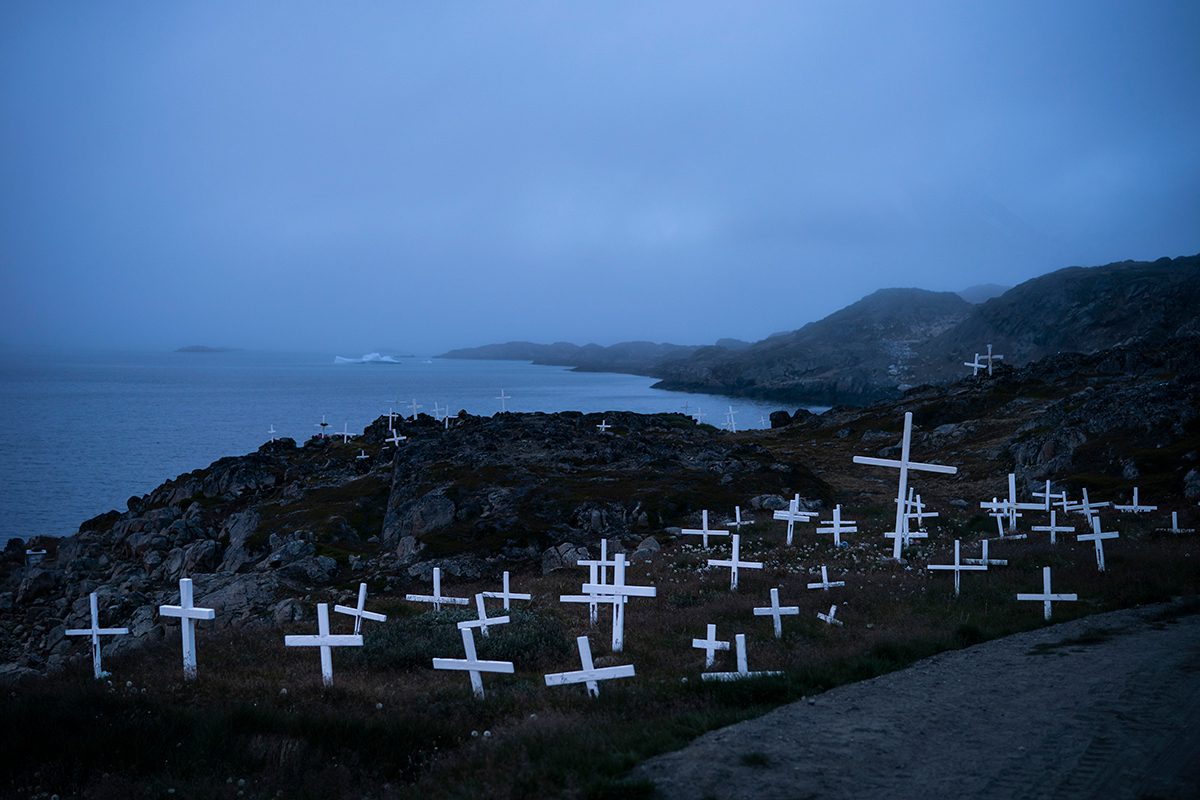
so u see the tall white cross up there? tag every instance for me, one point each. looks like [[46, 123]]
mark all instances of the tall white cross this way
[[704, 530], [360, 612], [391, 417], [825, 584], [1050, 497], [699, 415], [414, 405], [729, 420], [777, 612], [743, 669], [734, 563], [325, 641], [958, 567], [589, 675], [597, 574], [345, 434], [437, 598], [1097, 537], [471, 664], [794, 515], [1053, 528], [831, 617], [983, 558], [506, 595], [904, 464], [271, 432], [991, 359], [710, 644], [96, 632], [502, 398], [1047, 597], [322, 425], [616, 593], [838, 526], [188, 614], [1135, 507]]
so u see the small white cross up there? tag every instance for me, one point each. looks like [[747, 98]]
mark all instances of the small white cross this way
[[506, 595], [825, 584], [603, 426], [777, 612], [437, 598], [729, 420], [737, 522], [1046, 597], [984, 560], [395, 439], [359, 612], [903, 464], [1175, 525], [96, 632], [325, 641], [271, 432], [710, 645], [838, 526], [794, 515], [362, 455], [345, 434], [414, 405], [743, 669], [472, 664], [483, 621], [1097, 537], [958, 567], [502, 398], [831, 617], [734, 563], [1087, 507], [188, 614], [589, 675], [1135, 507], [1050, 497], [1053, 528], [704, 530]]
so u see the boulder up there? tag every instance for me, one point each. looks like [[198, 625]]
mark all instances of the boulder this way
[[564, 556]]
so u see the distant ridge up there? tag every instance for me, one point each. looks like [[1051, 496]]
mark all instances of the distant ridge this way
[[895, 339], [203, 348]]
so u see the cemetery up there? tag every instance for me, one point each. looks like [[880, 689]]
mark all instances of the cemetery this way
[[705, 627]]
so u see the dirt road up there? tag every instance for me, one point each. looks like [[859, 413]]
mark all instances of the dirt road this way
[[1107, 706]]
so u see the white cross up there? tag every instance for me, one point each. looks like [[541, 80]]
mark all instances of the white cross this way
[[743, 670], [983, 558], [831, 617], [414, 405], [391, 415], [699, 415], [589, 675], [603, 426], [777, 612], [737, 521], [975, 366], [1086, 506], [1004, 511], [710, 645], [359, 612], [271, 432], [322, 425], [825, 584], [794, 515], [502, 398], [597, 574], [959, 567], [345, 434], [395, 439], [437, 410], [734, 563], [1175, 525], [506, 595], [362, 454], [762, 420], [472, 664], [704, 529], [1135, 507], [483, 620], [1046, 597], [616, 593], [729, 420], [903, 465], [325, 641], [990, 359], [188, 614], [1053, 528], [437, 598], [1097, 536], [96, 632], [838, 526], [916, 511], [1050, 497]]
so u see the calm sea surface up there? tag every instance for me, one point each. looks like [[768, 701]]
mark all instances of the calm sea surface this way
[[85, 432]]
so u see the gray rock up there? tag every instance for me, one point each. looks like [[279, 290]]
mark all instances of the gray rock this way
[[768, 502], [286, 611], [409, 548], [203, 556], [237, 530], [1191, 484], [563, 556], [646, 550]]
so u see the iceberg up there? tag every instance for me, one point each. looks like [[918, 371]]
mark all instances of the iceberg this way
[[369, 358]]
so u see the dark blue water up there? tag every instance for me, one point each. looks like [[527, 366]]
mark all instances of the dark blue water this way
[[84, 432]]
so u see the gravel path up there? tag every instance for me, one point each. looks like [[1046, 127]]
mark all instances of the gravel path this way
[[1107, 706]]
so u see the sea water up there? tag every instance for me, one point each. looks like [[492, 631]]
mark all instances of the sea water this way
[[86, 431]]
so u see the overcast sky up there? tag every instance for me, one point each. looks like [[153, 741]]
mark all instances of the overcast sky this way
[[348, 177]]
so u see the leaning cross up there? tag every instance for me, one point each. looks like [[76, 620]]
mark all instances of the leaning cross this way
[[1097, 537], [589, 675], [359, 612], [825, 584], [471, 664], [710, 645]]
